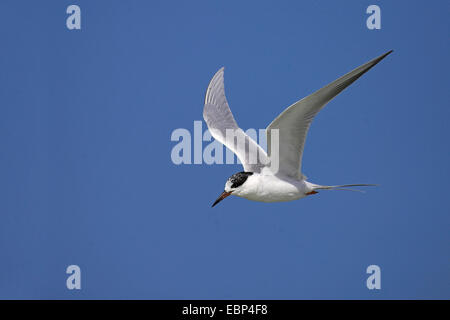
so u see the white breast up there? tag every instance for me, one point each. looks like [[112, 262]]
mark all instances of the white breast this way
[[269, 188]]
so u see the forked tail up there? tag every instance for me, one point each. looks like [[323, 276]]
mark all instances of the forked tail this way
[[343, 187]]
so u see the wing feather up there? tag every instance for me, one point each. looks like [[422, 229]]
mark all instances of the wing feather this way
[[294, 122], [219, 119]]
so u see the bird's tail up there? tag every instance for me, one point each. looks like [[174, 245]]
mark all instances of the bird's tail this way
[[343, 187]]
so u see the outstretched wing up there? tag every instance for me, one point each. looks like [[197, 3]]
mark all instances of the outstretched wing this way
[[220, 121], [294, 122]]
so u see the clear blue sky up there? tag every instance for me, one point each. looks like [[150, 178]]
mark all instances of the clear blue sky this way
[[86, 176]]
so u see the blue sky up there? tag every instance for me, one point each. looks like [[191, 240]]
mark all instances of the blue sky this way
[[87, 178]]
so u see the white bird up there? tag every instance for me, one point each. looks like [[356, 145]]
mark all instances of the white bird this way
[[261, 180]]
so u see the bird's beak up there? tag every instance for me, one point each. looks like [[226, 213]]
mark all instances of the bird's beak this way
[[222, 196]]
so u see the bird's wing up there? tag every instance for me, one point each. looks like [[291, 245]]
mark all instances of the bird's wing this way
[[220, 120], [293, 123]]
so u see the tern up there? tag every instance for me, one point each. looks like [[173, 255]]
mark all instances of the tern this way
[[260, 181]]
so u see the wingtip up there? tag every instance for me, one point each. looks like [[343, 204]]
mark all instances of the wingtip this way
[[374, 61], [385, 54], [219, 72]]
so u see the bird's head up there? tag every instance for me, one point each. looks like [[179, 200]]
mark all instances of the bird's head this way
[[234, 184]]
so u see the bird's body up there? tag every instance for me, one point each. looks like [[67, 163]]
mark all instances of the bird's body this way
[[267, 187], [274, 176]]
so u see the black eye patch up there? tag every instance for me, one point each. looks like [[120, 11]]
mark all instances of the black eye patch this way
[[239, 178]]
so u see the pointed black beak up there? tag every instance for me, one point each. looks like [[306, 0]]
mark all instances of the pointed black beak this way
[[222, 196]]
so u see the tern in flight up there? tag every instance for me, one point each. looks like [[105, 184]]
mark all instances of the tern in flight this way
[[261, 180]]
